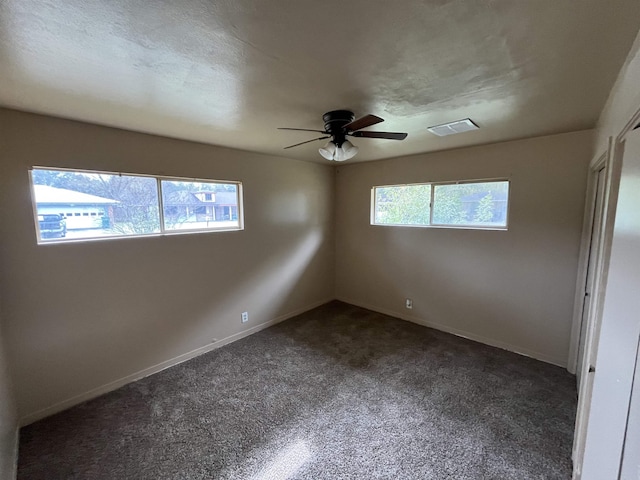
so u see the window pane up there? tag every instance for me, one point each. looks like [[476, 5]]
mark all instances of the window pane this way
[[95, 204], [402, 205], [199, 205], [471, 204]]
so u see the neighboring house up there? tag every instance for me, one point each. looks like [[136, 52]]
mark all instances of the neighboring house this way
[[184, 206], [82, 211]]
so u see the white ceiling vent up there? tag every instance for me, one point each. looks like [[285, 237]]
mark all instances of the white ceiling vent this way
[[459, 126]]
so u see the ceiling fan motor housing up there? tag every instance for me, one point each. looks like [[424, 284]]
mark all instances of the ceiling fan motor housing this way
[[334, 123]]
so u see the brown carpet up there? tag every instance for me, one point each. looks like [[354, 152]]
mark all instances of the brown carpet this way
[[338, 392]]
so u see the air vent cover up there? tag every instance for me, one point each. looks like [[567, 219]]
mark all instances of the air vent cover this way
[[459, 126]]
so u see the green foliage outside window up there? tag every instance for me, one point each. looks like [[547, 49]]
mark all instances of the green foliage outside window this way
[[466, 204], [403, 205], [471, 204]]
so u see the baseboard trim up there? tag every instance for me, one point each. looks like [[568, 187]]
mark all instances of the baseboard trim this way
[[460, 333], [106, 388]]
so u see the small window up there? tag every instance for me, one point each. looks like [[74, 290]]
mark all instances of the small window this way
[[461, 204], [184, 209]]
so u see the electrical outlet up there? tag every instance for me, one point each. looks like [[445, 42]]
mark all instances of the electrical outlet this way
[[245, 317], [408, 303]]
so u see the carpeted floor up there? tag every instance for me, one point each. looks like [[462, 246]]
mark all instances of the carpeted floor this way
[[336, 393]]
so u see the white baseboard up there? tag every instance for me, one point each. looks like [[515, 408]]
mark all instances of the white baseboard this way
[[461, 333], [96, 392]]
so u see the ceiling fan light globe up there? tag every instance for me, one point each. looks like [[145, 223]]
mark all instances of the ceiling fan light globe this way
[[328, 151], [349, 150]]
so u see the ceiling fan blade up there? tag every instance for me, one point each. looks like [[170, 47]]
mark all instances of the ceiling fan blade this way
[[308, 141], [362, 122], [301, 129], [388, 135]]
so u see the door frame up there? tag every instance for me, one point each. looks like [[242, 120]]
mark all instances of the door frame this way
[[613, 167], [605, 159], [612, 164]]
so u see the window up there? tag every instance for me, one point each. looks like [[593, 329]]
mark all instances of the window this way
[[184, 208], [461, 204], [402, 205], [116, 205]]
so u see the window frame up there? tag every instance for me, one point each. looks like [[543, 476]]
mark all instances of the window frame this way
[[374, 204], [166, 231], [158, 178], [433, 186]]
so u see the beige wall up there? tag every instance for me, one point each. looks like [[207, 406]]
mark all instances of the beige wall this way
[[79, 316], [8, 420], [513, 289]]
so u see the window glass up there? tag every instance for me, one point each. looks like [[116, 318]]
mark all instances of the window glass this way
[[471, 204], [463, 204], [402, 204], [199, 205], [113, 205], [128, 204]]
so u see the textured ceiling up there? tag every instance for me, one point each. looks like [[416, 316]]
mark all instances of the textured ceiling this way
[[230, 72]]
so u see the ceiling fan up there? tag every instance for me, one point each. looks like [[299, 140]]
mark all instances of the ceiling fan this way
[[338, 125]]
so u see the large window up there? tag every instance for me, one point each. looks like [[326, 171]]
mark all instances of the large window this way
[[71, 205], [469, 204]]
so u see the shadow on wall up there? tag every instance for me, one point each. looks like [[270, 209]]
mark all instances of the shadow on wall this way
[[267, 288], [156, 319], [456, 284]]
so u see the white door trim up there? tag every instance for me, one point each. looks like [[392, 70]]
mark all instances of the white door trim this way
[[599, 162], [601, 259]]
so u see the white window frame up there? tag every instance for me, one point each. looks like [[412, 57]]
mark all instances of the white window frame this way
[[163, 231], [431, 204]]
